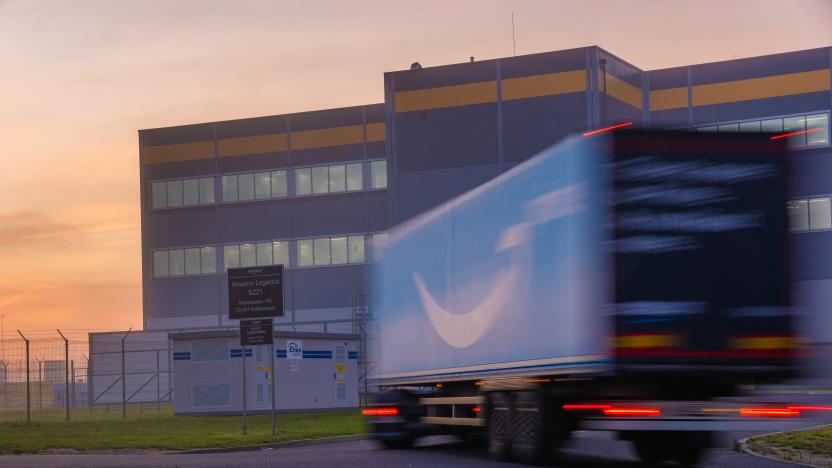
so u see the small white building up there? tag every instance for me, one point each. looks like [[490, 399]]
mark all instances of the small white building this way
[[315, 371]]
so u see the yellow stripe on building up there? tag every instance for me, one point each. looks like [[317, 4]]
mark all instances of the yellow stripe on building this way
[[544, 85], [376, 132], [761, 88], [623, 91], [270, 143], [178, 152], [670, 98], [446, 96], [334, 136]]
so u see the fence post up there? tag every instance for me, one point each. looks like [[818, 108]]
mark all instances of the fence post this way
[[158, 385], [28, 390], [170, 372], [40, 383], [5, 388], [66, 374], [124, 377], [72, 366], [89, 386]]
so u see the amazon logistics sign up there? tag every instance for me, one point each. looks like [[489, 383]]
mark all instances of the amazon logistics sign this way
[[255, 292]]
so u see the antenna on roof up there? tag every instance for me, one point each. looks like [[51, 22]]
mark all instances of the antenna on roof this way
[[513, 42]]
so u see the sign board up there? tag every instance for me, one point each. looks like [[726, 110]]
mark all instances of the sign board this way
[[294, 349], [294, 365], [256, 332], [255, 292]]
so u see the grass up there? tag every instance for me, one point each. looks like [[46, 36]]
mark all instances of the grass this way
[[163, 431], [817, 441]]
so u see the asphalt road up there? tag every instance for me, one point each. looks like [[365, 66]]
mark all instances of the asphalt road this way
[[589, 450]]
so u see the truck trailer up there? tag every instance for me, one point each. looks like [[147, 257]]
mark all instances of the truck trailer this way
[[632, 281]]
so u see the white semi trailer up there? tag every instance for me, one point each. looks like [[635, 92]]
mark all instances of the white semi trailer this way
[[623, 281]]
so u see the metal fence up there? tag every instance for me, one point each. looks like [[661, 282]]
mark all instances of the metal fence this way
[[42, 377], [69, 375], [54, 375]]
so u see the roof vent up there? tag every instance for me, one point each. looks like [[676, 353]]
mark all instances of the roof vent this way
[[415, 66]]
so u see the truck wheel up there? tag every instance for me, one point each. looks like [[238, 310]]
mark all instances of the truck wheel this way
[[529, 438], [398, 444], [690, 446], [649, 451], [499, 414]]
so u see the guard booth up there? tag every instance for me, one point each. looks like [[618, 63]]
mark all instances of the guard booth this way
[[314, 371]]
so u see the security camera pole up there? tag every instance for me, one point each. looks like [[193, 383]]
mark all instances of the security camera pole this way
[[256, 293]]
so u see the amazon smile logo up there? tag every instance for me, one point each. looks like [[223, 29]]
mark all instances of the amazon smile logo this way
[[463, 329]]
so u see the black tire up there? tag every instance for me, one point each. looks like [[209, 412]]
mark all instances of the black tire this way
[[650, 451], [398, 444], [685, 448], [689, 447], [499, 413], [530, 438]]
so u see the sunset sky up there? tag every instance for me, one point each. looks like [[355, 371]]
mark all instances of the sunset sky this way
[[79, 78]]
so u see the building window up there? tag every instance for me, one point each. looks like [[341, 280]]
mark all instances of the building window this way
[[208, 259], [303, 181], [378, 174], [337, 178], [337, 250], [248, 257], [254, 186], [259, 254], [798, 211], [355, 176], [356, 246], [278, 182], [820, 216], [322, 253], [206, 190], [160, 263], [818, 126], [185, 192], [329, 179], [159, 194], [231, 256], [378, 241], [305, 252], [810, 130], [184, 262], [245, 185]]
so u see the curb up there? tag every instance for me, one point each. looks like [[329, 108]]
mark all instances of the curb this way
[[276, 445], [743, 446]]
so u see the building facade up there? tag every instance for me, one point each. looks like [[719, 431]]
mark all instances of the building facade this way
[[316, 191]]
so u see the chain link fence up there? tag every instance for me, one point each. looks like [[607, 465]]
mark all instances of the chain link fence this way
[[59, 375], [49, 376]]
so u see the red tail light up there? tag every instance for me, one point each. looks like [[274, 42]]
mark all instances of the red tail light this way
[[799, 132], [380, 411], [632, 411], [810, 408], [581, 406], [476, 409], [769, 412], [606, 129]]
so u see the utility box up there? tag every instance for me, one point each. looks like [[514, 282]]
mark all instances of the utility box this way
[[315, 371]]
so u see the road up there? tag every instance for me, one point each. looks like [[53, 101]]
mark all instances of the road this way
[[589, 450]]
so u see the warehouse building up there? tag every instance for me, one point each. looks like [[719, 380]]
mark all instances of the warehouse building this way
[[317, 191]]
